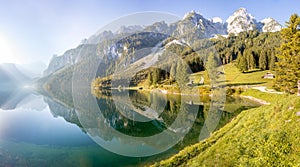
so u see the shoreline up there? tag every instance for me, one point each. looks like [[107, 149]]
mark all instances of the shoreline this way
[[163, 91], [168, 92]]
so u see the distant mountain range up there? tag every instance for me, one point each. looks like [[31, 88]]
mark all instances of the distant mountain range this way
[[192, 26], [11, 75]]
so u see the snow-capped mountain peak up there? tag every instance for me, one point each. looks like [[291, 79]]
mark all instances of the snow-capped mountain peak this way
[[241, 21], [269, 25], [189, 14], [194, 22], [193, 17]]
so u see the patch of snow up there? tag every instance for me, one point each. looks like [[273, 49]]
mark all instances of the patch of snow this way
[[216, 36], [226, 36], [267, 20], [178, 42], [217, 20]]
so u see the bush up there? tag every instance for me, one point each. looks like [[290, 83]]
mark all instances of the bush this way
[[230, 91]]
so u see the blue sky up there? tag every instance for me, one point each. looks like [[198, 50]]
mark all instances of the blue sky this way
[[33, 31]]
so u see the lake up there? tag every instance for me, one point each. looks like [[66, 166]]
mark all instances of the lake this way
[[128, 128]]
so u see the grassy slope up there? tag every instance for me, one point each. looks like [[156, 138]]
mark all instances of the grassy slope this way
[[264, 136], [235, 78]]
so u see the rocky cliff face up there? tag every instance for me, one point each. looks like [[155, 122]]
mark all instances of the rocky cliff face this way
[[58, 62]]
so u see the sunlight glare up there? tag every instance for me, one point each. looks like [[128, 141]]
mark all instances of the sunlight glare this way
[[7, 54]]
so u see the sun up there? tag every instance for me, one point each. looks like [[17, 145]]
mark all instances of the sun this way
[[7, 53]]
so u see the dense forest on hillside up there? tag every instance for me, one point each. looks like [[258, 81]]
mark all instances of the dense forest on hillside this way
[[250, 49]]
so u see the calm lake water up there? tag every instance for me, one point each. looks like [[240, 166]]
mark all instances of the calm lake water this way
[[36, 130]]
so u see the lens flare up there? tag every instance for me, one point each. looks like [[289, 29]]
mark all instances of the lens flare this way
[[7, 54]]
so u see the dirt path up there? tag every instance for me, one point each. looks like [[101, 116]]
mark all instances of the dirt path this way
[[264, 89], [260, 101]]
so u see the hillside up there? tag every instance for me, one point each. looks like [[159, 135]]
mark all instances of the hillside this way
[[264, 136], [234, 77]]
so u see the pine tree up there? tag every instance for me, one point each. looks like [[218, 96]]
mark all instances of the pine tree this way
[[173, 72], [156, 76], [211, 67], [182, 76], [288, 65], [242, 62], [250, 59], [263, 64], [149, 79], [272, 60]]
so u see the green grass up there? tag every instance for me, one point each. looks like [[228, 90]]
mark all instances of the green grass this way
[[264, 136], [236, 78]]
